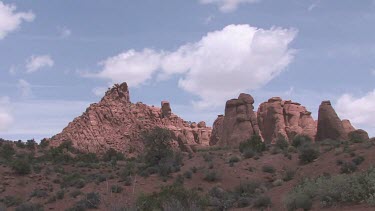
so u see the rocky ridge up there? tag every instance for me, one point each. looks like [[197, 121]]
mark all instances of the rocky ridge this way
[[278, 119], [117, 123]]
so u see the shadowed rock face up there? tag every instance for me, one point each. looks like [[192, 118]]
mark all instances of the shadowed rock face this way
[[279, 119], [329, 124], [239, 122], [217, 130], [117, 123]]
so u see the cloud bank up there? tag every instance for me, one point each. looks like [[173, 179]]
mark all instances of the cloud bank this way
[[227, 5], [360, 110], [10, 20], [220, 65], [35, 63]]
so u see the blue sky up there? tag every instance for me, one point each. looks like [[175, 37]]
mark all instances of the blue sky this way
[[57, 57]]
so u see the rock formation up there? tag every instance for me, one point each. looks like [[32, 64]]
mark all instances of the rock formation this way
[[284, 119], [238, 124], [329, 124], [217, 130], [348, 127], [166, 110], [117, 123], [358, 135]]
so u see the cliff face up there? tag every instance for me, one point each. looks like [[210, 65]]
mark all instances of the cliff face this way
[[117, 123]]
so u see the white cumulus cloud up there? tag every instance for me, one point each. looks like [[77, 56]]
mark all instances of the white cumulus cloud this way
[[6, 118], [10, 20], [360, 110], [131, 66], [222, 64], [227, 5], [35, 63]]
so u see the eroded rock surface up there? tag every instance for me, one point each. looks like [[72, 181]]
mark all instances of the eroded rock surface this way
[[279, 119], [117, 123]]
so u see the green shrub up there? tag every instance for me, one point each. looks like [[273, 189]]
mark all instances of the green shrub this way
[[73, 180], [262, 201], [179, 180], [308, 153], [44, 143], [112, 154], [59, 154], [31, 144], [211, 176], [339, 162], [10, 201], [358, 160], [268, 169], [20, 144], [21, 166], [7, 151], [298, 201], [247, 189], [194, 169], [188, 174], [2, 206], [255, 143], [301, 140], [157, 145], [334, 190], [87, 158], [329, 144], [243, 202], [116, 189], [60, 194], [159, 154], [92, 200], [282, 143], [174, 197], [221, 199], [75, 193], [288, 174], [348, 167], [39, 193], [234, 159], [355, 138], [248, 153], [28, 206], [207, 157], [277, 182], [129, 169]]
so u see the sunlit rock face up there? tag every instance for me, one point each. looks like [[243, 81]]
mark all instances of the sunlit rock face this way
[[117, 123]]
